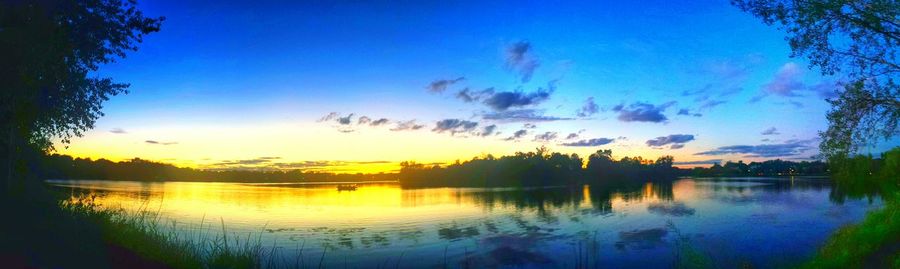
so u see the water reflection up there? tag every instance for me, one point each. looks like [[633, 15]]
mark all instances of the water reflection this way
[[760, 220]]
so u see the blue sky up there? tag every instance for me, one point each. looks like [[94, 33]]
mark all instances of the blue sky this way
[[222, 78]]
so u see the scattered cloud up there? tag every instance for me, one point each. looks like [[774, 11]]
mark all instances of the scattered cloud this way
[[454, 126], [529, 126], [520, 115], [771, 131], [488, 130], [468, 95], [700, 162], [676, 141], [642, 112], [154, 142], [589, 108], [501, 101], [517, 135], [409, 125], [441, 85], [379, 122], [545, 137], [520, 59], [118, 131], [787, 149], [687, 112], [572, 136], [593, 142]]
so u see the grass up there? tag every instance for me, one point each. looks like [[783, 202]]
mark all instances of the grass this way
[[144, 235], [874, 242]]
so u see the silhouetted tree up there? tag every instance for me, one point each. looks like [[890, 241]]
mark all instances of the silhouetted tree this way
[[49, 49], [857, 39]]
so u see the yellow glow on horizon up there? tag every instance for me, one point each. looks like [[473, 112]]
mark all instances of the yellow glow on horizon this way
[[205, 146]]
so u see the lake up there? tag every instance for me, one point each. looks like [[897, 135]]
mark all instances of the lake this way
[[765, 222]]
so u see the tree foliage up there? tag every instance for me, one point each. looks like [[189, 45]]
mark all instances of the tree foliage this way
[[50, 51], [856, 40]]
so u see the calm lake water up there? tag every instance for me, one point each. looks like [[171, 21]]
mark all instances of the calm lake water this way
[[762, 221]]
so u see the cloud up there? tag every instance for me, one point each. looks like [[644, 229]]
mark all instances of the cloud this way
[[467, 95], [517, 135], [363, 120], [687, 112], [787, 149], [519, 59], [520, 115], [118, 131], [501, 101], [711, 104], [771, 131], [571, 136], [589, 108], [589, 142], [676, 140], [454, 126], [329, 117], [529, 126], [441, 85], [545, 137], [379, 122], [154, 142], [642, 112], [409, 125], [700, 162], [827, 89], [786, 83], [488, 130], [345, 120]]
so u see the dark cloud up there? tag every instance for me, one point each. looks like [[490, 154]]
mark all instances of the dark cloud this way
[[529, 126], [154, 142], [454, 126], [467, 95], [589, 108], [488, 130], [118, 131], [331, 116], [517, 135], [701, 162], [676, 140], [379, 122], [345, 120], [519, 59], [439, 86], [363, 120], [687, 112], [771, 131], [788, 149], [409, 125], [589, 142], [642, 112], [545, 137], [520, 115], [502, 101], [571, 136]]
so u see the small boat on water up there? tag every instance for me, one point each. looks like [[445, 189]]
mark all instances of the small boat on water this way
[[346, 187]]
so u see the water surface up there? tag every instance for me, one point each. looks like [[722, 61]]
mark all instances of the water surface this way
[[760, 221]]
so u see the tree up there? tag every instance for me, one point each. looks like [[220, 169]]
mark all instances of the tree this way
[[49, 50], [856, 39]]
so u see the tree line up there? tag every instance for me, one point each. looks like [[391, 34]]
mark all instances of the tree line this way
[[57, 166]]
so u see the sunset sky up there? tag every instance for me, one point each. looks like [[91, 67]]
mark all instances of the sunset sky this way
[[358, 87]]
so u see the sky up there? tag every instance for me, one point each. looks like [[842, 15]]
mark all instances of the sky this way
[[359, 86]]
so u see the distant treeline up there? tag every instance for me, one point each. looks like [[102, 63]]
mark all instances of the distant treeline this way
[[65, 167], [539, 168], [766, 168]]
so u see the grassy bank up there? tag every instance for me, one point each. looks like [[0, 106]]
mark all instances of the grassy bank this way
[[874, 243], [146, 237]]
